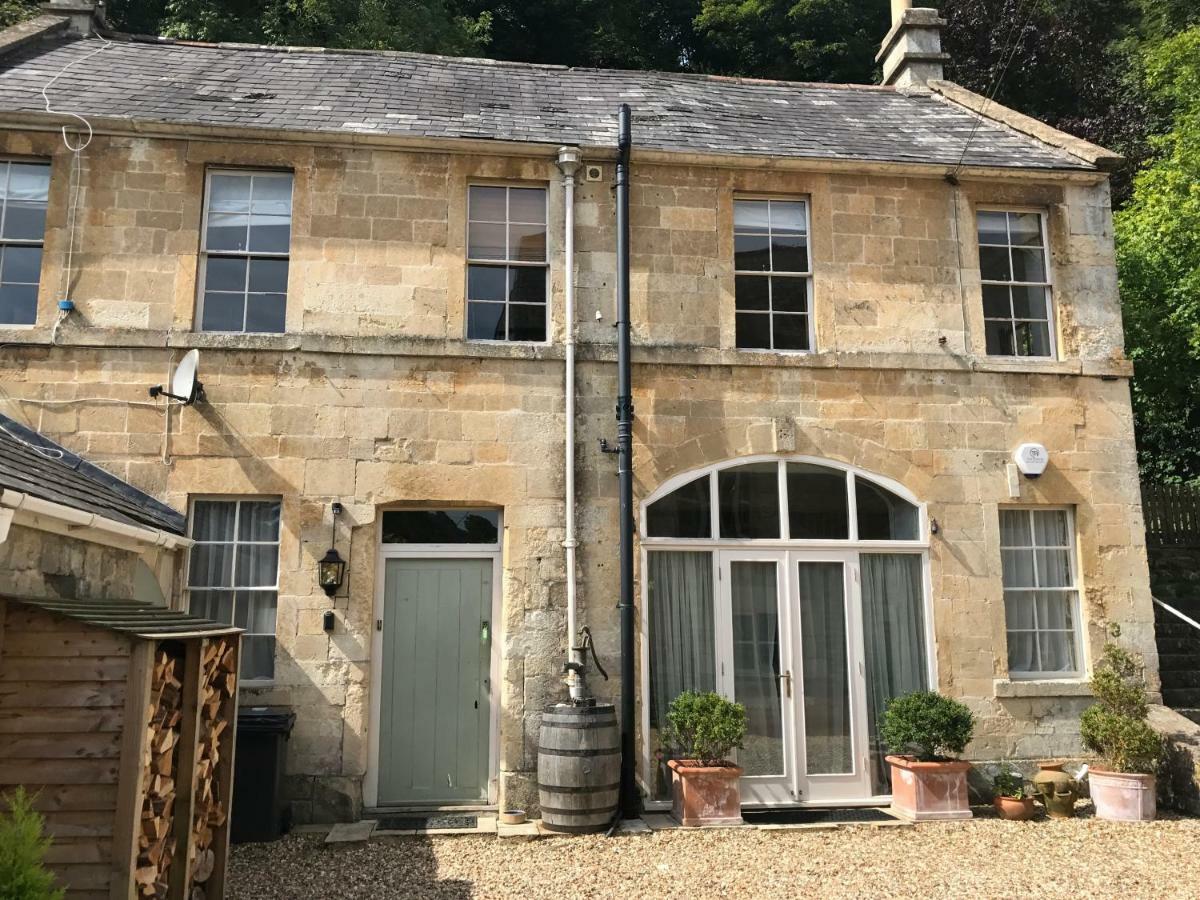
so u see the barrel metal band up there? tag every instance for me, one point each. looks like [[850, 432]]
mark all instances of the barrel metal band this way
[[598, 751], [578, 789]]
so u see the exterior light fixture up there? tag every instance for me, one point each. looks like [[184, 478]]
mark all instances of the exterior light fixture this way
[[331, 568]]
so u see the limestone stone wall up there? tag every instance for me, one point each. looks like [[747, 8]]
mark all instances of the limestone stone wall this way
[[372, 399], [35, 563]]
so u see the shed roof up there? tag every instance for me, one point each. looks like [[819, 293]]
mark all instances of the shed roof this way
[[140, 620], [35, 465], [312, 90]]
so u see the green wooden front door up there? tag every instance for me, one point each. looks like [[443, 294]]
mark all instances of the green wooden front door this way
[[434, 705]]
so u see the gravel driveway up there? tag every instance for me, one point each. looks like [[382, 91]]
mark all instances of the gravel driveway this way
[[982, 858]]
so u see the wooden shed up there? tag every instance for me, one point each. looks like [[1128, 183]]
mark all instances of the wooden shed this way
[[119, 718]]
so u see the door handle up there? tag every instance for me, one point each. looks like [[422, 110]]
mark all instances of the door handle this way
[[786, 677], [485, 632]]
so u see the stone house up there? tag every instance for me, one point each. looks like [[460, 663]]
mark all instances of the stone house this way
[[850, 306]]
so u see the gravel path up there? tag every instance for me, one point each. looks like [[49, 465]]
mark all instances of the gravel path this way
[[983, 858]]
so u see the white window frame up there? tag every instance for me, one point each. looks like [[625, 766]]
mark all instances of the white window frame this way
[[1076, 630], [506, 262], [247, 254], [771, 273], [1048, 284], [7, 163], [239, 499]]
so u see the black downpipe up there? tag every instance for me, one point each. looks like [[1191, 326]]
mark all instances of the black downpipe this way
[[630, 798]]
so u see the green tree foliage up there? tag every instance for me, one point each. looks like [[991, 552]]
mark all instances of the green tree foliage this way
[[1158, 258], [22, 847], [927, 725], [14, 11], [1115, 726], [704, 727]]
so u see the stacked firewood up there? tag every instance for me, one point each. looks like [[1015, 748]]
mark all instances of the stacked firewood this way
[[218, 686], [156, 837]]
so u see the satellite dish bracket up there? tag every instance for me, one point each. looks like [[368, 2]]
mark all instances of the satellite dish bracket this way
[[185, 386]]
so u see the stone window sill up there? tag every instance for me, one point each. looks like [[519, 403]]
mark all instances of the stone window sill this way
[[1009, 688]]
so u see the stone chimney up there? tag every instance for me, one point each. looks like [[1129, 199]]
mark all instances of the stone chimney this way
[[912, 51], [84, 15]]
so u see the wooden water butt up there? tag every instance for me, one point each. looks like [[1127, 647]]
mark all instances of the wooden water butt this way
[[579, 767], [118, 719]]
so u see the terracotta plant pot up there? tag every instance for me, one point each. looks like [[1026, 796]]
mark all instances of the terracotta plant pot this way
[[705, 795], [924, 791], [1013, 809], [1123, 797]]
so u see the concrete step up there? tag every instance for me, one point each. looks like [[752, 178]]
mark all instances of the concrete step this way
[[1172, 627], [1176, 678], [1181, 697], [1175, 645], [1178, 662]]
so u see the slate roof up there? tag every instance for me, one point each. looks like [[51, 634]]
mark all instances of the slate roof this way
[[73, 482], [403, 94], [130, 617]]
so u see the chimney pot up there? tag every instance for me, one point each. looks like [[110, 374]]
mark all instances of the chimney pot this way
[[84, 15], [911, 52]]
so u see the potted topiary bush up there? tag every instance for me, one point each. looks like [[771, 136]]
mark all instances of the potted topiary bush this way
[[1013, 800], [924, 731], [1114, 728], [702, 730]]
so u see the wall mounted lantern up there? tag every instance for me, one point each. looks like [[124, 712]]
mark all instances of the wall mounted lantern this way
[[331, 568]]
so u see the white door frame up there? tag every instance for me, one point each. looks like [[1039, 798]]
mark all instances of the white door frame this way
[[433, 551]]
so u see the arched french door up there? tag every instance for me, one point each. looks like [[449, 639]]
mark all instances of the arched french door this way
[[799, 588]]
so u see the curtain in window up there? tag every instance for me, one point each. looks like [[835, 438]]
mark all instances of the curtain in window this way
[[682, 643], [894, 639], [826, 678]]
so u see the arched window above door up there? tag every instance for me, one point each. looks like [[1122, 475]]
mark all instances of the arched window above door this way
[[783, 499]]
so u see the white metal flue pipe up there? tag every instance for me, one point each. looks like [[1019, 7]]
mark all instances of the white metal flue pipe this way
[[568, 163]]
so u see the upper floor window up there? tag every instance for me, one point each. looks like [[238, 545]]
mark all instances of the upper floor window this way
[[233, 574], [1041, 599], [772, 275], [24, 190], [507, 267], [1014, 268], [244, 251]]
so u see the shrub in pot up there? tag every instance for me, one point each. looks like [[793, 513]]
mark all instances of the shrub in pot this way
[[925, 731], [1115, 729], [1013, 800], [704, 729]]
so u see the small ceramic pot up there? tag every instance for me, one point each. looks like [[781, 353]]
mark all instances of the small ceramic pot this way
[[1123, 797], [1013, 809], [1056, 789], [705, 795]]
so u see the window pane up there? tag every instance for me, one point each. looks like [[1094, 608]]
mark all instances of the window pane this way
[[226, 231], [21, 264], [1022, 652], [229, 193], [29, 181], [817, 503], [211, 565], [225, 273], [754, 596], [256, 611], [223, 312], [683, 513], [996, 302], [1054, 610], [1015, 528], [485, 321], [751, 292], [993, 228], [527, 205], [882, 516], [791, 332], [18, 304], [266, 313], [826, 684], [268, 276], [680, 635], [1028, 265], [487, 204], [487, 283], [1019, 610], [751, 253], [214, 605], [1051, 528], [750, 215], [24, 220], [993, 264], [441, 526], [212, 520], [258, 520], [270, 234], [272, 195], [528, 284], [1057, 651], [789, 294], [787, 217], [258, 657], [1000, 340], [789, 253], [527, 243], [1025, 229], [1017, 568], [1032, 338], [526, 322], [754, 331], [257, 565], [1028, 302], [485, 241], [749, 501]]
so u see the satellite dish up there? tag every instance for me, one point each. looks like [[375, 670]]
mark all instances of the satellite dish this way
[[185, 386]]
